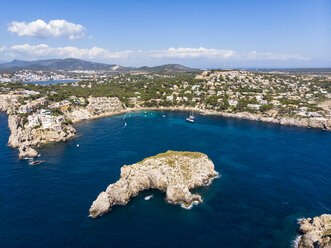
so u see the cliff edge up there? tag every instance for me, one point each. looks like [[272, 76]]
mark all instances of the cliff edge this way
[[173, 172], [316, 232]]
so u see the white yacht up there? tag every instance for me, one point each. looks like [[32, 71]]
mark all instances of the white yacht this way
[[190, 118]]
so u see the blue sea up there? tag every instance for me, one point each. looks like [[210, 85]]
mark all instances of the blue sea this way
[[51, 82], [271, 175]]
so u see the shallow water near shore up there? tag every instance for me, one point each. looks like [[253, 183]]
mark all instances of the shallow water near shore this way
[[270, 176]]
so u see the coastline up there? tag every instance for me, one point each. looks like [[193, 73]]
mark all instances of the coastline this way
[[284, 121], [29, 149]]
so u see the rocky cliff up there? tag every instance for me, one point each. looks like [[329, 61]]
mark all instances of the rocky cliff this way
[[97, 107], [27, 139], [7, 101], [173, 172], [316, 232], [323, 123]]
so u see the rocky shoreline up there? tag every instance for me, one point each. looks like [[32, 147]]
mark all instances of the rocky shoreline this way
[[320, 123], [175, 173], [27, 140], [316, 232]]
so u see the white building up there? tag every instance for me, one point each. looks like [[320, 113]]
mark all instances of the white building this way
[[47, 121], [275, 102], [45, 112], [33, 120], [233, 102], [25, 109], [258, 97], [170, 98], [57, 127], [30, 92], [303, 109], [254, 106]]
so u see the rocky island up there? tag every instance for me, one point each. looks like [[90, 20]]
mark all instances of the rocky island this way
[[316, 232], [173, 172]]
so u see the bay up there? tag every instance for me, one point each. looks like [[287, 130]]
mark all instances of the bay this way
[[271, 175]]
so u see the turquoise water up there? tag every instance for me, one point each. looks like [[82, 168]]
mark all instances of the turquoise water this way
[[271, 175]]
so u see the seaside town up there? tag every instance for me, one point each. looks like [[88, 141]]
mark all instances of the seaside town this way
[[31, 76], [40, 114], [47, 75], [226, 91]]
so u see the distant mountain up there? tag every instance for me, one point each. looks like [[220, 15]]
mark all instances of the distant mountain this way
[[167, 68], [293, 70], [71, 64], [22, 63], [61, 64]]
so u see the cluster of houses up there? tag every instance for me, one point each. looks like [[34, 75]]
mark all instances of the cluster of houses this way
[[104, 104], [62, 104], [293, 93], [46, 120], [29, 75], [42, 117], [29, 107], [290, 94]]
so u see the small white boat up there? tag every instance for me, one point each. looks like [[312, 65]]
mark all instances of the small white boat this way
[[189, 120], [148, 197], [77, 145], [163, 116]]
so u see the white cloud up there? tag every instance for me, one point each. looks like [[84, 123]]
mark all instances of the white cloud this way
[[217, 54], [273, 56], [44, 51], [186, 53], [27, 51], [43, 30]]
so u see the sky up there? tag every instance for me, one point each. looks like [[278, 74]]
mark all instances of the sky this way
[[201, 34]]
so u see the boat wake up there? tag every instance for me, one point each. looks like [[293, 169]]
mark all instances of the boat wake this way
[[125, 124]]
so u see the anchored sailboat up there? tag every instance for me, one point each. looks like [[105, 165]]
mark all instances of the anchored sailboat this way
[[190, 118]]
